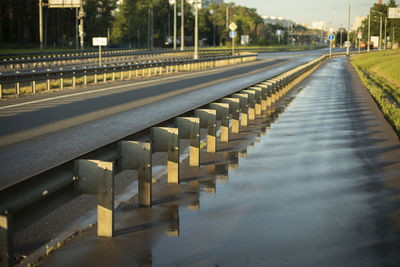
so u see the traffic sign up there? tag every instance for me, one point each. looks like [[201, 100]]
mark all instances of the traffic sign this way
[[233, 26], [359, 35], [347, 44], [331, 37], [331, 29], [99, 41], [232, 34]]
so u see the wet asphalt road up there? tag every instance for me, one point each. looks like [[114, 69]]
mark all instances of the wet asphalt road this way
[[320, 188], [41, 130]]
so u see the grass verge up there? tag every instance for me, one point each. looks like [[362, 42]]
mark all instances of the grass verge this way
[[380, 73]]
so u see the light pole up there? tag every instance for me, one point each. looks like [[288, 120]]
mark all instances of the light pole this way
[[182, 26], [41, 25], [394, 27], [369, 31], [348, 33], [212, 13], [380, 28], [385, 42], [175, 25], [196, 32]]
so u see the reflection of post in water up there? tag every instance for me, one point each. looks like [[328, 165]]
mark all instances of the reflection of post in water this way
[[251, 146], [195, 201], [145, 258], [243, 153], [264, 130], [173, 220], [221, 172], [233, 160]]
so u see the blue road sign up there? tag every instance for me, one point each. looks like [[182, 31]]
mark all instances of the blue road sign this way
[[331, 37], [232, 34]]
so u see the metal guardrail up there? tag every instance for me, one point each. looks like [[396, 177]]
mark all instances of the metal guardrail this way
[[158, 67], [81, 175], [34, 59]]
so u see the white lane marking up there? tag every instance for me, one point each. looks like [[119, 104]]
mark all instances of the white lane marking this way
[[113, 88]]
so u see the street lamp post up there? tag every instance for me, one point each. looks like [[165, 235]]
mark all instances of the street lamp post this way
[[385, 42], [196, 32], [182, 25], [348, 33], [369, 32], [41, 25], [175, 25]]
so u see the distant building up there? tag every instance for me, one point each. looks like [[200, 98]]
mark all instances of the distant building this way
[[278, 21], [319, 25], [358, 22]]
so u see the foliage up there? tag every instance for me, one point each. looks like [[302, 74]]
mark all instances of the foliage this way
[[129, 23], [380, 72], [392, 24]]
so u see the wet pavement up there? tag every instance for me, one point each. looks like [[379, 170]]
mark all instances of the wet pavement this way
[[314, 184]]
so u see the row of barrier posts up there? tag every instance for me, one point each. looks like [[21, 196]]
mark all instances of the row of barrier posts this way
[[97, 177]]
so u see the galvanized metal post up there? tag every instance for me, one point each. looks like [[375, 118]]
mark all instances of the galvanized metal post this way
[[208, 120], [137, 156], [165, 139], [6, 244]]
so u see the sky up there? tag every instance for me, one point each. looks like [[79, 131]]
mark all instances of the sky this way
[[334, 12]]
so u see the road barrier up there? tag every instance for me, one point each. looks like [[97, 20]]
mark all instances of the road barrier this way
[[109, 73], [87, 175]]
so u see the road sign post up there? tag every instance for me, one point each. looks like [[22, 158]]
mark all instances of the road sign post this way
[[232, 34], [331, 38], [359, 36], [99, 41]]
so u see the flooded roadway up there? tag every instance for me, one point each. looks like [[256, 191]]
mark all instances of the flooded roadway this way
[[315, 186]]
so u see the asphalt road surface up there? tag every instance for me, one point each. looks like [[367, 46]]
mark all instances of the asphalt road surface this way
[[42, 131], [320, 188]]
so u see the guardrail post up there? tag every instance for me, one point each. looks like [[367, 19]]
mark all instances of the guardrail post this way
[[18, 88], [263, 94], [223, 116], [271, 95], [251, 102], [244, 108], [208, 120], [257, 99], [137, 156], [61, 83], [234, 109], [6, 244], [33, 87], [189, 128], [97, 178], [164, 139]]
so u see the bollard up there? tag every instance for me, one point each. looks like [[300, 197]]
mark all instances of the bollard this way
[[1, 91], [137, 156], [244, 108], [6, 243], [251, 102], [18, 88], [97, 178], [189, 128], [234, 109], [164, 139], [208, 120], [223, 116]]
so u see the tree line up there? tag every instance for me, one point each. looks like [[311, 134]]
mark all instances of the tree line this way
[[135, 23]]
